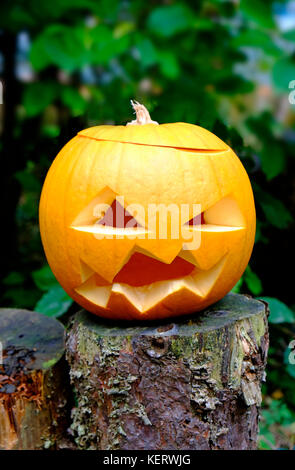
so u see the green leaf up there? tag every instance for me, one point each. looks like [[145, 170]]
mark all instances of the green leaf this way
[[203, 24], [279, 413], [147, 52], [260, 235], [258, 11], [27, 179], [62, 46], [123, 28], [258, 39], [169, 20], [169, 65], [274, 210], [14, 278], [231, 85], [73, 100], [54, 303], [16, 17], [253, 282], [279, 312], [44, 278], [59, 8], [266, 440], [283, 73], [272, 160], [38, 56], [289, 35], [50, 130], [105, 46], [21, 297], [37, 96], [27, 209], [237, 288]]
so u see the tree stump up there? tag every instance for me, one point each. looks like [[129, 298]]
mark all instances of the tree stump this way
[[191, 383], [33, 381]]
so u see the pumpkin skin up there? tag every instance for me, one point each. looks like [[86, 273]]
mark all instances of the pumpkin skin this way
[[124, 278]]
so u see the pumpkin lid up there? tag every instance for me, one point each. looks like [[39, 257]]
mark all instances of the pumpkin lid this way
[[144, 131], [176, 135]]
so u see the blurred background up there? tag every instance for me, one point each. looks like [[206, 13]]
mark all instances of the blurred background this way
[[225, 65]]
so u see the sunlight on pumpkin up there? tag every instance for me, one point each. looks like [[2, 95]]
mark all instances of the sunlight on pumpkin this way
[[122, 271]]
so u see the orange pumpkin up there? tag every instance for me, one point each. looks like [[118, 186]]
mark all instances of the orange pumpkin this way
[[129, 270]]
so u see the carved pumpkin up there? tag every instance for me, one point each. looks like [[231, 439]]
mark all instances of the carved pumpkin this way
[[128, 270]]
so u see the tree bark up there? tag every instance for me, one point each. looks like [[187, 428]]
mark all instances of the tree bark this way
[[191, 383], [33, 381]]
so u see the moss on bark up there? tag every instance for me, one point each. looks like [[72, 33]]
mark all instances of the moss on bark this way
[[193, 383]]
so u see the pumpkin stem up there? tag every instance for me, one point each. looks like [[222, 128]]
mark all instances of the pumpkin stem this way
[[142, 115]]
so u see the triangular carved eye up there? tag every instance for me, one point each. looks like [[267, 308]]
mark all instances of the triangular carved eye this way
[[107, 210], [117, 216], [224, 213], [197, 220]]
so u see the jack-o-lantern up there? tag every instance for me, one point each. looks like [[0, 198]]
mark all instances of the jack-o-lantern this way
[[102, 226]]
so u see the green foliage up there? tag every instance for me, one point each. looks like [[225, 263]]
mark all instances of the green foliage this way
[[283, 73], [237, 288], [20, 297], [147, 52], [38, 96], [252, 281], [55, 301], [14, 279], [249, 280], [279, 312], [44, 278], [259, 12], [273, 209], [278, 413], [223, 65], [289, 35], [272, 160], [73, 100], [257, 39], [277, 426], [169, 20], [59, 45], [15, 292], [47, 297]]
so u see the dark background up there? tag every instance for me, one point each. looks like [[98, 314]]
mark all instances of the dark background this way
[[225, 65]]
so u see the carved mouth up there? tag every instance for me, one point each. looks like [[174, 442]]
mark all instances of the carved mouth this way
[[142, 270], [144, 297], [148, 276]]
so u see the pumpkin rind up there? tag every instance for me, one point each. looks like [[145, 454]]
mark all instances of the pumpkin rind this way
[[161, 164], [175, 135]]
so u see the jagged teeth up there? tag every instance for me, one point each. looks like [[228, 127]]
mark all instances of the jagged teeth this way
[[145, 297]]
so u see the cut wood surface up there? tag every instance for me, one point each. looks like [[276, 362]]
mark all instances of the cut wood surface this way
[[33, 381], [187, 383]]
